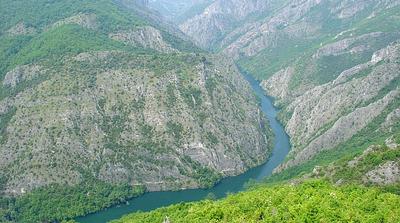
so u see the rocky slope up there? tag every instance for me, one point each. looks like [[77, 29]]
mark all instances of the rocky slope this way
[[378, 165], [124, 121], [220, 17], [331, 65], [330, 114], [178, 10], [257, 31], [100, 95]]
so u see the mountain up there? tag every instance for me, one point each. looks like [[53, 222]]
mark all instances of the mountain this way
[[178, 10], [332, 66], [100, 101]]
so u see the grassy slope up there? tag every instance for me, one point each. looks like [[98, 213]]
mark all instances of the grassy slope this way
[[312, 201]]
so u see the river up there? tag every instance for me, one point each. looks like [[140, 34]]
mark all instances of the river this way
[[153, 200]]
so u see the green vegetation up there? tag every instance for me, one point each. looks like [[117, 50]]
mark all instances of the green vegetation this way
[[311, 201], [4, 120], [367, 162], [63, 41], [206, 177], [56, 202], [192, 96], [271, 60], [42, 13]]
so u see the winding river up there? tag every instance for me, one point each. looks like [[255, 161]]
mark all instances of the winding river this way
[[153, 200]]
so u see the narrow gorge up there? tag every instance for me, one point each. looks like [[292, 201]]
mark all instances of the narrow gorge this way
[[192, 110]]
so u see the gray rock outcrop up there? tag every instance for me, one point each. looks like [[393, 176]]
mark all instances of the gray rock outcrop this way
[[147, 37]]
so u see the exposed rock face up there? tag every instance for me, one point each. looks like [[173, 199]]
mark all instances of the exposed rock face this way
[[245, 29], [85, 20], [347, 45], [343, 129], [388, 173], [21, 73], [332, 113], [286, 22], [219, 18], [353, 163], [142, 2], [280, 85], [281, 79], [294, 21], [147, 37], [393, 119], [333, 78], [332, 98], [112, 116], [383, 170], [21, 29], [176, 10]]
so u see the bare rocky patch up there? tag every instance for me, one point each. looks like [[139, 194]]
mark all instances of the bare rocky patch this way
[[147, 37], [21, 29], [88, 21]]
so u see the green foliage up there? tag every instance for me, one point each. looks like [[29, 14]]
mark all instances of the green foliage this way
[[212, 138], [42, 13], [204, 175], [368, 162], [4, 120], [297, 52], [192, 96], [63, 41], [56, 202], [176, 130], [271, 60], [312, 201], [211, 85], [9, 47], [383, 21]]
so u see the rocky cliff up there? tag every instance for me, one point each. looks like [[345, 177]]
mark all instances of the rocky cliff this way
[[327, 115], [220, 17]]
